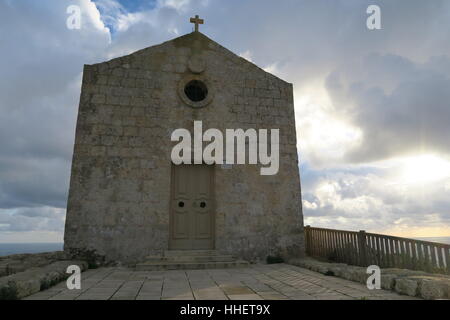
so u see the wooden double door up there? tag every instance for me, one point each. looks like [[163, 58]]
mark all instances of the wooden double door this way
[[192, 222]]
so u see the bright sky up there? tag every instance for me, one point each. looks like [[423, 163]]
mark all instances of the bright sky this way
[[372, 107]]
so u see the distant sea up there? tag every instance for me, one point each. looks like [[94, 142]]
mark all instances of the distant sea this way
[[15, 248], [436, 239]]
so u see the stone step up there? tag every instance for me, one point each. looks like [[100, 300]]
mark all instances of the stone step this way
[[190, 265], [189, 258], [171, 253]]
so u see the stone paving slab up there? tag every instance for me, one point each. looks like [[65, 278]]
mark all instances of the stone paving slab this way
[[430, 286], [256, 282]]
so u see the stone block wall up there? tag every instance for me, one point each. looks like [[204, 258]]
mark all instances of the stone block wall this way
[[119, 193]]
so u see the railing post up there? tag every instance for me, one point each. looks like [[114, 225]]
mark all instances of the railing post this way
[[447, 258], [362, 248], [308, 240]]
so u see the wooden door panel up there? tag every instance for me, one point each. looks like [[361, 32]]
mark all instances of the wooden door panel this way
[[192, 225]]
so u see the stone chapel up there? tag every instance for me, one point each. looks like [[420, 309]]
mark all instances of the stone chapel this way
[[128, 201]]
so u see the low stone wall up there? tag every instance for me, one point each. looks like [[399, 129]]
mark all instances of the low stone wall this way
[[22, 284], [20, 262], [407, 282], [25, 274]]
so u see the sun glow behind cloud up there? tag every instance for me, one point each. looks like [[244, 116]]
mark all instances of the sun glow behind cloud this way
[[323, 136], [403, 196], [422, 169]]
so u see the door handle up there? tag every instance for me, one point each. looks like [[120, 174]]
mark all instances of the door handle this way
[[202, 204]]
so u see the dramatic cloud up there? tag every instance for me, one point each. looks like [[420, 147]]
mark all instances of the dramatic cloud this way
[[41, 67], [376, 202], [403, 107], [369, 104]]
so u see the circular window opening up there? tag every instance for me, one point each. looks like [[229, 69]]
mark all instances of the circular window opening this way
[[196, 90]]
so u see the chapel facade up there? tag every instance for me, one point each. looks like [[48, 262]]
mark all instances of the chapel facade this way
[[127, 200]]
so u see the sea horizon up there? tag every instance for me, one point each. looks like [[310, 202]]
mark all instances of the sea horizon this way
[[445, 240], [9, 248]]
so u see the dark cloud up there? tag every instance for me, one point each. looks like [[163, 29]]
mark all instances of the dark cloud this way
[[402, 107], [33, 182], [32, 219], [41, 63]]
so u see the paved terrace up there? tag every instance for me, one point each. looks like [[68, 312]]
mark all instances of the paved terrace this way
[[257, 282]]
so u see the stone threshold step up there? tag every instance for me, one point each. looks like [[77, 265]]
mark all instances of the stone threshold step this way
[[157, 266], [187, 258], [171, 253]]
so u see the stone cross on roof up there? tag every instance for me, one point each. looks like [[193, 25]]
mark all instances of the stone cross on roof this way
[[197, 21]]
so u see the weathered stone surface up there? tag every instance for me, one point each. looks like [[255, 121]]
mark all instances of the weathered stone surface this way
[[407, 286], [118, 206], [432, 288], [388, 281], [353, 273], [255, 282], [403, 281], [33, 280], [20, 262], [3, 269], [189, 259]]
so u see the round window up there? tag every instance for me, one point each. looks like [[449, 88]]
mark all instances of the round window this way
[[196, 90]]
